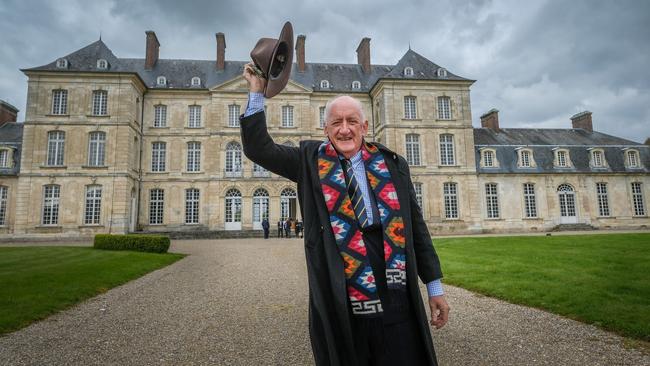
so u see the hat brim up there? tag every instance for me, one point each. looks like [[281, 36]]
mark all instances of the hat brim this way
[[274, 85]]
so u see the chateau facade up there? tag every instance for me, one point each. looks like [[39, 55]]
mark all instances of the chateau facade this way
[[117, 145]]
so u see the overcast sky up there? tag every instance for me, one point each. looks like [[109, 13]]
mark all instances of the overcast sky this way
[[537, 62]]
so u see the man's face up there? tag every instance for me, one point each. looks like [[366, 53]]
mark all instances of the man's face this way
[[345, 126]]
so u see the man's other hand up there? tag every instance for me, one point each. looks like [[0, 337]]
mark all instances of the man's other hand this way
[[256, 84], [439, 311]]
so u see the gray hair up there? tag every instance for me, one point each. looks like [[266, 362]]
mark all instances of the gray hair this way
[[328, 107]]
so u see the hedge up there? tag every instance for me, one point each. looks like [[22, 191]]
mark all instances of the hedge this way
[[140, 243]]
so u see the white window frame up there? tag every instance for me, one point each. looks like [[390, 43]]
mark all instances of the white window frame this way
[[96, 148], [356, 84], [156, 206], [161, 81], [62, 63], [4, 158], [412, 148], [261, 205], [324, 84], [287, 116], [450, 194], [93, 205], [562, 159], [447, 153], [159, 116], [194, 116], [408, 71], [196, 81], [638, 203], [598, 159], [321, 117], [234, 110], [233, 205], [158, 156], [444, 108], [410, 107], [193, 156], [602, 199], [488, 158], [441, 72], [60, 102], [51, 205], [530, 201], [192, 206], [4, 193], [632, 159], [100, 103], [233, 159], [492, 200], [102, 64], [285, 199], [55, 148]]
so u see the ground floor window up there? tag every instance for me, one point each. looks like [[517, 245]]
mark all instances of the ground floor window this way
[[156, 206], [51, 195], [192, 206], [637, 199], [450, 194], [3, 205], [530, 204], [603, 200], [93, 205]]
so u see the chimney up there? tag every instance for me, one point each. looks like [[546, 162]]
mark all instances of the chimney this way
[[490, 119], [300, 52], [153, 50], [582, 120], [8, 113], [363, 54], [647, 141], [221, 51]]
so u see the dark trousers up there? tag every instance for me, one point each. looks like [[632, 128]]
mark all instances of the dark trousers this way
[[266, 233], [394, 337]]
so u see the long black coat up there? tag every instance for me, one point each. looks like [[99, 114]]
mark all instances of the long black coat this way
[[329, 316]]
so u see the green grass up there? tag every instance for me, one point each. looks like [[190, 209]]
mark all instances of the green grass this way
[[38, 281], [598, 279]]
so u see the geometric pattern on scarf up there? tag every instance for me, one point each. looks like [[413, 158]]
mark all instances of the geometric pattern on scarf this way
[[360, 280]]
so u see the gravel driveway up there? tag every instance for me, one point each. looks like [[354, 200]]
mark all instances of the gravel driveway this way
[[244, 302]]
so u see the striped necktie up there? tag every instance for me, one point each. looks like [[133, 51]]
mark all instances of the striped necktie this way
[[355, 195]]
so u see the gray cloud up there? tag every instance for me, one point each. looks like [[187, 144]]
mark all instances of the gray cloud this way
[[537, 62]]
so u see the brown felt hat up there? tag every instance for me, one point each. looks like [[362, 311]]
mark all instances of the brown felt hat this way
[[274, 57]]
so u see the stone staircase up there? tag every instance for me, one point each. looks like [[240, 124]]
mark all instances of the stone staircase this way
[[573, 227]]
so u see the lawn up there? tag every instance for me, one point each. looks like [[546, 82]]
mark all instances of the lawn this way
[[38, 281], [598, 279]]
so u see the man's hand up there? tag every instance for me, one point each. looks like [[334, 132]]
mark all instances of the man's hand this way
[[439, 311], [256, 84]]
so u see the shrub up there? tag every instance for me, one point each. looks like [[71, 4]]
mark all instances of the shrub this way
[[140, 243]]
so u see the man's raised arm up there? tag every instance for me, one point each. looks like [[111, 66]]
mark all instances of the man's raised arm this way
[[258, 144]]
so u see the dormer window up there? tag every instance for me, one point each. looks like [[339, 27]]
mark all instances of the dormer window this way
[[597, 158], [161, 81], [562, 159], [442, 72], [102, 64], [488, 158], [5, 158], [356, 84], [196, 81], [62, 63], [525, 158], [408, 71], [632, 159], [324, 84]]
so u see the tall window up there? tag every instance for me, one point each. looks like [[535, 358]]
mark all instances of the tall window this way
[[3, 205], [410, 109], [525, 158], [444, 108], [55, 148], [260, 205], [597, 158], [603, 200], [418, 194], [51, 195], [158, 156], [491, 200], [530, 203], [561, 158], [488, 158], [100, 102], [93, 205], [233, 205], [632, 159], [286, 208], [637, 199], [192, 206], [321, 117], [194, 116], [287, 116], [447, 149], [4, 158], [160, 115], [60, 102], [193, 156], [413, 149], [233, 159], [451, 200], [233, 115], [156, 206], [96, 148]]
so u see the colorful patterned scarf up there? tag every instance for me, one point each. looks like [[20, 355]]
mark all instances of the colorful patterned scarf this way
[[360, 281]]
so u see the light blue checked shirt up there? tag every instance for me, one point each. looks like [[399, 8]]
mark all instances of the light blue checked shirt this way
[[256, 104]]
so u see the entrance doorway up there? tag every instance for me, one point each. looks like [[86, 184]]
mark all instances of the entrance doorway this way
[[567, 200], [260, 207], [288, 204], [233, 210]]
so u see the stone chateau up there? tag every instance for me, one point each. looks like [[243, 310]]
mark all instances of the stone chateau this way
[[116, 145]]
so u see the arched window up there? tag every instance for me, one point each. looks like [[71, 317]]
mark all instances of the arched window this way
[[441, 72], [324, 84], [287, 203], [62, 63], [356, 84], [408, 71], [567, 199], [233, 209], [233, 159], [196, 81], [96, 148], [161, 81], [260, 207], [102, 64]]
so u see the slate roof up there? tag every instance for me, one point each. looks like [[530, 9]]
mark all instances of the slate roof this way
[[179, 73], [11, 135], [543, 141]]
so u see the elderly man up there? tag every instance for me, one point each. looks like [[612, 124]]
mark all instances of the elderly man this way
[[366, 242]]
